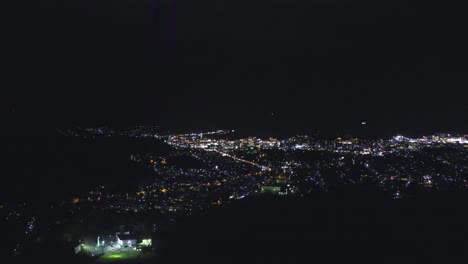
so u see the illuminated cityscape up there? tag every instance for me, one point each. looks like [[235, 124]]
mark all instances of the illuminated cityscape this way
[[283, 131], [214, 169]]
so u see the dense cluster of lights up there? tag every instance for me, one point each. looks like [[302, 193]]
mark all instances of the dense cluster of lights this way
[[233, 169]]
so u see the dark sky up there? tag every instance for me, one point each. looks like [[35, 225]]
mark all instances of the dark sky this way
[[314, 64]]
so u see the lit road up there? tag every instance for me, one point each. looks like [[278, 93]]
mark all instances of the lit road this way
[[238, 159]]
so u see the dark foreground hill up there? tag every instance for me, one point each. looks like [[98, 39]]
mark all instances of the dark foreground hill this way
[[345, 226], [331, 227]]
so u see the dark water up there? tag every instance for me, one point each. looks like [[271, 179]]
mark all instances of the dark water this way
[[284, 127], [54, 167]]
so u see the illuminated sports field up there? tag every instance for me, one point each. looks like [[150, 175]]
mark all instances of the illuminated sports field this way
[[122, 256]]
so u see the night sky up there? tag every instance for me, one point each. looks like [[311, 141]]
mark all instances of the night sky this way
[[281, 63]]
